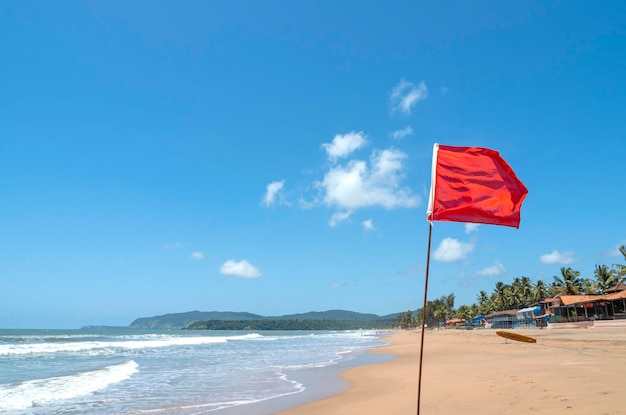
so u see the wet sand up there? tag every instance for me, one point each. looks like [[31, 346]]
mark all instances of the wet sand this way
[[570, 371]]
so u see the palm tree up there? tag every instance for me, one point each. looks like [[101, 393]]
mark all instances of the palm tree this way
[[448, 301], [605, 279], [482, 298], [484, 305], [464, 312], [511, 297], [540, 291], [405, 320], [440, 312], [523, 288], [499, 295], [620, 269], [587, 286], [515, 293], [569, 284]]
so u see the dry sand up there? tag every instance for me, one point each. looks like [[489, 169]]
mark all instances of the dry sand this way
[[577, 371]]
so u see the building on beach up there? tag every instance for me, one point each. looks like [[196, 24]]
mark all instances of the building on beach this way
[[602, 308], [610, 306]]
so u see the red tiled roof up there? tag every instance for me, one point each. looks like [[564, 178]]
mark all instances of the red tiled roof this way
[[580, 299], [616, 296]]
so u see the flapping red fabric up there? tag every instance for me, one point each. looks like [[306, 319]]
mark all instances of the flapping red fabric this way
[[474, 184]]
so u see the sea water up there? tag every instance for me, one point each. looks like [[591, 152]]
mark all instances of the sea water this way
[[124, 371]]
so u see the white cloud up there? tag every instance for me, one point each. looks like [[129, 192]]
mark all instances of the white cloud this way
[[471, 227], [343, 145], [451, 250], [357, 185], [307, 204], [614, 252], [273, 192], [338, 217], [368, 225], [241, 269], [196, 255], [495, 270], [556, 257], [406, 95], [400, 134]]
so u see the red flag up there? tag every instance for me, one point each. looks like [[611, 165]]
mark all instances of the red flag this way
[[473, 184]]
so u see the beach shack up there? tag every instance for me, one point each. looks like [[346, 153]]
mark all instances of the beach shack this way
[[610, 306], [502, 319], [526, 317], [456, 322], [478, 320], [617, 301]]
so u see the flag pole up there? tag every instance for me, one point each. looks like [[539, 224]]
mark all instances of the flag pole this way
[[419, 378]]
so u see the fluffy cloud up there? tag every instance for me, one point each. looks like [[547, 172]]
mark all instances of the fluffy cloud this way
[[556, 257], [614, 252], [471, 227], [242, 269], [273, 192], [357, 185], [368, 225], [196, 255], [495, 270], [400, 134], [451, 250], [338, 217], [406, 95], [343, 145]]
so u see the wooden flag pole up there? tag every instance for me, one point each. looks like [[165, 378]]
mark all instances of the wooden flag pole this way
[[419, 379]]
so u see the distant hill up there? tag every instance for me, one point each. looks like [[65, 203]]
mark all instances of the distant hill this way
[[182, 320], [330, 315], [393, 316]]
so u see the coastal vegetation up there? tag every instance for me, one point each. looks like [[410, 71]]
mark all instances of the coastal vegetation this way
[[279, 324], [519, 294], [218, 320], [182, 320]]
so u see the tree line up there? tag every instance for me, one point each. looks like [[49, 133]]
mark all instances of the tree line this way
[[291, 324], [519, 294]]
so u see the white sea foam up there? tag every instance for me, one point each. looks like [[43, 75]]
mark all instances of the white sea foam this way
[[297, 387], [40, 392], [183, 372], [102, 347]]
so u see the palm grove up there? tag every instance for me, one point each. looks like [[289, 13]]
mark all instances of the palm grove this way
[[519, 294]]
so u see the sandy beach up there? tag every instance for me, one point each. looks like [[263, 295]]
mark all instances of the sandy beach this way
[[573, 371]]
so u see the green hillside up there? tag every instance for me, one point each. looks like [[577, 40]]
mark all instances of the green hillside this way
[[288, 324], [182, 320], [329, 315], [342, 318]]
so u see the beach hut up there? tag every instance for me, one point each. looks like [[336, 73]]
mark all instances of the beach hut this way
[[617, 301], [455, 322], [478, 320], [502, 319], [578, 307], [526, 317]]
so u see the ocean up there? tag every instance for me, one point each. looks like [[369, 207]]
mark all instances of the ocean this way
[[174, 372]]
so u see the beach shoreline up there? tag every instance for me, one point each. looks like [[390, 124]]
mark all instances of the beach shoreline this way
[[574, 371]]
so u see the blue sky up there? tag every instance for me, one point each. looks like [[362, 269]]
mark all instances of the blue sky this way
[[161, 157]]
